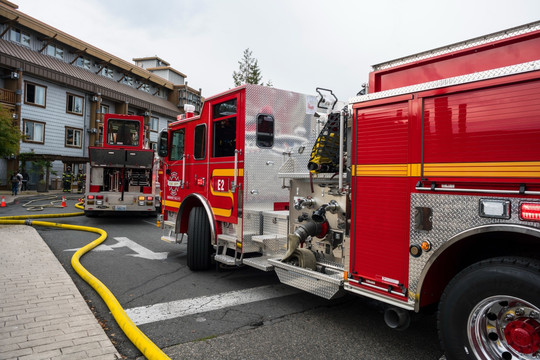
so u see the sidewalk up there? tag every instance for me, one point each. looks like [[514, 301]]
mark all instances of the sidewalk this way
[[42, 313]]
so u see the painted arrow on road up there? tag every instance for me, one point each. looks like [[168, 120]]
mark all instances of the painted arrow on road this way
[[141, 251]]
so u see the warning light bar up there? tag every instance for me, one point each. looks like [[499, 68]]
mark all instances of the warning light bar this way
[[530, 211]]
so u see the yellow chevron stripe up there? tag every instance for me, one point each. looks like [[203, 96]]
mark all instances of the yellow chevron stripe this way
[[390, 170], [174, 204], [227, 172], [217, 211], [478, 169], [222, 212]]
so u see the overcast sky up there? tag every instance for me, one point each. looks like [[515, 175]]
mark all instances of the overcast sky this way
[[300, 44]]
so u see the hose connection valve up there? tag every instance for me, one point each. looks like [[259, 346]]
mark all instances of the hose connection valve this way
[[301, 203]]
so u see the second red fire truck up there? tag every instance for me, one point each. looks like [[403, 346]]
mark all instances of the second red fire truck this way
[[426, 190], [120, 176]]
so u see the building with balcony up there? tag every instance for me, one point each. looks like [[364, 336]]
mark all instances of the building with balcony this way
[[57, 89]]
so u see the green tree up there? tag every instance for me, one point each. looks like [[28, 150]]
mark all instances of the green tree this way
[[10, 135], [249, 71]]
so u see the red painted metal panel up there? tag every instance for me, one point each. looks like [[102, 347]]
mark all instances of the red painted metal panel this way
[[493, 124], [380, 228], [489, 56], [382, 134]]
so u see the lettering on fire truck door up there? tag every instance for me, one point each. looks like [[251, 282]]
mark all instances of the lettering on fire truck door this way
[[381, 197]]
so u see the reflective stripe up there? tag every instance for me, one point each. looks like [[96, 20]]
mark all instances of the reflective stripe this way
[[478, 169]]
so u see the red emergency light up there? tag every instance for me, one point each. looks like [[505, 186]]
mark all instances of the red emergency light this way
[[530, 211]]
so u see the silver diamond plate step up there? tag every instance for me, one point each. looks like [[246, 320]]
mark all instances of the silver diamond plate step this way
[[227, 238], [260, 263], [225, 259], [328, 286]]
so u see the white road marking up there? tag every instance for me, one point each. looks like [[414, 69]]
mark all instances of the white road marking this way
[[140, 250], [153, 223], [179, 308]]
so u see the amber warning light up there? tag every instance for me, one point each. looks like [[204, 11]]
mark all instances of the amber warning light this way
[[530, 211]]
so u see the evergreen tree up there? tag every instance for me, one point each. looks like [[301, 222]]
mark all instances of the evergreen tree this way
[[10, 135], [248, 71]]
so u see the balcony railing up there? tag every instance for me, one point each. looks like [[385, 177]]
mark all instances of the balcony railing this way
[[8, 96]]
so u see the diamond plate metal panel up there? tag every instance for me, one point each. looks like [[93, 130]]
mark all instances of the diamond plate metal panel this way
[[294, 117], [501, 35], [328, 286], [457, 80], [452, 215], [275, 222]]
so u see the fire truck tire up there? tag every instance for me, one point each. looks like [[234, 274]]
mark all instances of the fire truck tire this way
[[198, 246], [491, 310]]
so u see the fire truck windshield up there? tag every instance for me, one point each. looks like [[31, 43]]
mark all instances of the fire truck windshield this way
[[123, 132]]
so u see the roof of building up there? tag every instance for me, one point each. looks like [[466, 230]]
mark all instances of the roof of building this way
[[152, 58], [9, 11], [167, 68], [48, 67]]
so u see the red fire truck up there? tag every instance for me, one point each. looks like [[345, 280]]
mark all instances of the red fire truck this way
[[424, 191], [119, 176]]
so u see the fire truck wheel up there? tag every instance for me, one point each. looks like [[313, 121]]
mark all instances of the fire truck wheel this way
[[491, 310], [198, 246]]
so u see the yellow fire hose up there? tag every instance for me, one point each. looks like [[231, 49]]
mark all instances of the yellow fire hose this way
[[135, 335]]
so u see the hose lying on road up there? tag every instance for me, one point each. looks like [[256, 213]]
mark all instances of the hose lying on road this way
[[39, 207], [135, 335]]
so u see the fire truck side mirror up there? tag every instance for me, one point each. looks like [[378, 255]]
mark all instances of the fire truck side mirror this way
[[163, 144]]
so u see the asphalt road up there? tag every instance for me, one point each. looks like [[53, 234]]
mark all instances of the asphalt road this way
[[142, 270]]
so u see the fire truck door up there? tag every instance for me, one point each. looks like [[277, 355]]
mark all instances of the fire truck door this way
[[196, 163], [381, 197], [175, 173], [226, 159]]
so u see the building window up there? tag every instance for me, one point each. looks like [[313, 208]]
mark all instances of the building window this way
[[35, 94], [34, 131], [107, 72], [19, 36], [145, 87], [154, 123], [104, 109], [73, 137], [55, 50], [83, 62], [74, 104], [127, 80]]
